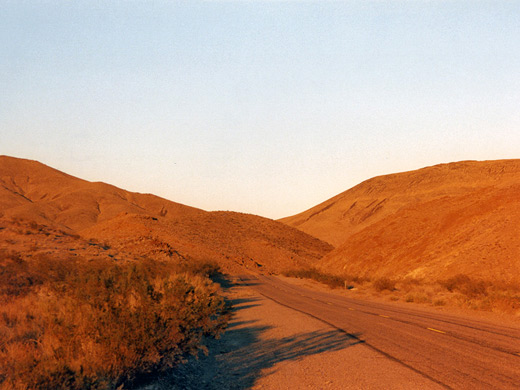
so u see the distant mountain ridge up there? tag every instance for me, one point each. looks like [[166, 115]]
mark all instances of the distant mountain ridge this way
[[434, 222], [148, 225]]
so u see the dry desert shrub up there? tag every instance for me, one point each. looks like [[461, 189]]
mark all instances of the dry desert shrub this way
[[333, 281], [408, 284], [204, 267], [382, 284], [465, 285], [99, 324]]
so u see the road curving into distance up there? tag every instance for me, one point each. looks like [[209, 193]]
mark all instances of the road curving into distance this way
[[452, 351]]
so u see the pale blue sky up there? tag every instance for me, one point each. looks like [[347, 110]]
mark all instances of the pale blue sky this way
[[263, 107]]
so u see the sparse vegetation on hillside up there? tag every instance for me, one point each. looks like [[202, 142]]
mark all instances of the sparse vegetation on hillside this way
[[78, 324], [147, 225]]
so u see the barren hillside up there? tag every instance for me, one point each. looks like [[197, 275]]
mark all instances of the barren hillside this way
[[146, 225], [436, 222], [235, 240], [34, 191]]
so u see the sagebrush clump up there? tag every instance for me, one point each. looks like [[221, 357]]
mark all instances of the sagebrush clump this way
[[382, 284], [465, 285], [81, 324]]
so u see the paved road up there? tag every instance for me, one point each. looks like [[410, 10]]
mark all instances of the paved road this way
[[452, 351]]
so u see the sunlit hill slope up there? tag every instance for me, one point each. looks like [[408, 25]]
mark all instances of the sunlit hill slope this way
[[147, 225], [436, 222]]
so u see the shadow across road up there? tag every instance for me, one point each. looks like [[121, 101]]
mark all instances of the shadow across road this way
[[237, 360]]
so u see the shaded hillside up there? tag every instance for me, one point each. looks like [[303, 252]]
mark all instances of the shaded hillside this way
[[427, 224], [146, 225]]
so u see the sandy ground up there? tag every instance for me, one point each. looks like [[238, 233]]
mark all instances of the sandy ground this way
[[268, 346]]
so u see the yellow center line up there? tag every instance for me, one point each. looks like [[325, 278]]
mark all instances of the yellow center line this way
[[381, 315], [351, 309], [436, 330], [329, 303]]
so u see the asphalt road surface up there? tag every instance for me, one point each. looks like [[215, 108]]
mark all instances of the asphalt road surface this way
[[452, 351]]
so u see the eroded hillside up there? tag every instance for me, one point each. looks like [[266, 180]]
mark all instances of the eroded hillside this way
[[147, 225], [351, 211], [436, 222]]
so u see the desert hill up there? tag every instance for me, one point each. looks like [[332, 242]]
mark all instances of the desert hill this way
[[436, 222], [231, 238], [147, 225], [34, 191]]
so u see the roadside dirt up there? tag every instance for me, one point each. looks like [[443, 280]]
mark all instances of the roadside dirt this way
[[268, 346]]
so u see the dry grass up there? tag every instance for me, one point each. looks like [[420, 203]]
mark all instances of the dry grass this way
[[465, 285], [81, 324], [457, 291], [462, 291], [382, 284], [332, 281]]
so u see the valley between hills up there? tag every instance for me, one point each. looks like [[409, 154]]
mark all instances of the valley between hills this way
[[79, 257]]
